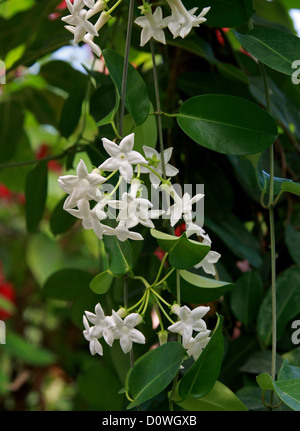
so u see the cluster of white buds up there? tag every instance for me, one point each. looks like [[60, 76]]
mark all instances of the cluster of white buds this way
[[180, 22]]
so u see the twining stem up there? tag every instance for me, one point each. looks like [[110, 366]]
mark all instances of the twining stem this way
[[125, 67], [157, 99]]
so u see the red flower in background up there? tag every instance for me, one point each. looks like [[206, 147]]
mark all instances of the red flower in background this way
[[7, 292], [53, 165]]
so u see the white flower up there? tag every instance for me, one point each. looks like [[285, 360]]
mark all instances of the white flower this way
[[95, 346], [182, 207], [123, 233], [183, 20], [122, 156], [82, 185], [125, 330], [190, 320], [152, 25], [210, 259], [197, 344], [78, 20], [91, 218], [133, 210], [193, 228], [155, 162], [103, 325]]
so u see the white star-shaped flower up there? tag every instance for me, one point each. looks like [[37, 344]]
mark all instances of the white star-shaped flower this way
[[102, 324], [182, 207], [91, 218], [152, 25], [123, 233], [190, 320], [78, 20], [125, 330], [210, 259], [95, 346], [182, 20], [82, 185], [132, 210], [122, 157], [196, 345], [155, 162]]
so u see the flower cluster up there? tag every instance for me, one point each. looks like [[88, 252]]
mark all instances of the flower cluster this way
[[180, 22], [111, 328]]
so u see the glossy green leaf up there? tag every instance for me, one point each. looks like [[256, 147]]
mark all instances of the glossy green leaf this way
[[275, 48], [203, 374], [288, 371], [228, 13], [246, 297], [36, 195], [292, 240], [120, 255], [291, 187], [153, 372], [71, 111], [287, 299], [137, 100], [243, 129], [183, 252], [264, 381], [66, 284], [11, 131], [28, 352], [220, 398], [195, 288], [60, 220], [102, 282]]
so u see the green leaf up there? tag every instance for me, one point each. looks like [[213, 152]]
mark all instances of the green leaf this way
[[153, 372], [229, 13], [66, 284], [60, 220], [246, 297], [183, 252], [11, 131], [120, 255], [99, 387], [288, 371], [198, 289], [292, 240], [137, 99], [145, 134], [36, 195], [264, 381], [220, 398], [203, 374], [102, 282], [291, 187], [243, 129], [29, 353], [71, 111], [287, 299], [274, 48]]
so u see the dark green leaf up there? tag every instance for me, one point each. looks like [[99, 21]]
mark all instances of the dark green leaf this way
[[243, 129], [137, 100], [292, 240], [60, 220], [11, 130], [203, 374], [120, 255], [153, 372], [246, 297], [71, 111], [228, 13], [275, 48], [66, 284], [36, 195]]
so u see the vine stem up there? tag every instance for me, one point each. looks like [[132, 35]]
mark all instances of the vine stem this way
[[126, 65], [158, 108]]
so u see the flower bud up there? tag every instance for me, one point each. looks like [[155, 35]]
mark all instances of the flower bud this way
[[175, 309], [163, 337], [122, 312]]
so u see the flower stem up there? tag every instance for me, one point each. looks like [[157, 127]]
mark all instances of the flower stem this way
[[158, 108], [160, 269]]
